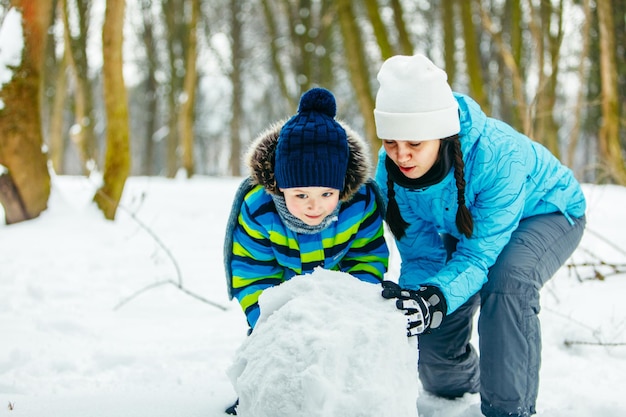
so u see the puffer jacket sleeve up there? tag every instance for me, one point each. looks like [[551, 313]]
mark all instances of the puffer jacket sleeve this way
[[368, 256], [253, 264], [497, 212], [244, 187]]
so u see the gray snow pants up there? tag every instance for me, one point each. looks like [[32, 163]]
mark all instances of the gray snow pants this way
[[507, 372]]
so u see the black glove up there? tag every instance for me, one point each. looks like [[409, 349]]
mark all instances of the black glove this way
[[425, 308]]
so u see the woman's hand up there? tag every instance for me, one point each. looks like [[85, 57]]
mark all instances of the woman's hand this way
[[425, 308]]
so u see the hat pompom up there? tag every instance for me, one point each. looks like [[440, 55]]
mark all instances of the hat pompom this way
[[318, 100]]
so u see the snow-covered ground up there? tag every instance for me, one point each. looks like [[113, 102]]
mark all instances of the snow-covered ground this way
[[92, 322]]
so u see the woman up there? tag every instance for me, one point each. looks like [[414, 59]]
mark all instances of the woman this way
[[482, 216]]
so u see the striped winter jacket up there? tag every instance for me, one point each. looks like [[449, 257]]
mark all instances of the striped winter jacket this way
[[261, 252]]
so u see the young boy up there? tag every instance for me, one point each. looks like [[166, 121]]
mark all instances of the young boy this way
[[308, 203]]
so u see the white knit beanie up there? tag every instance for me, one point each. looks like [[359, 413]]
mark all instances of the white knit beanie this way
[[414, 101]]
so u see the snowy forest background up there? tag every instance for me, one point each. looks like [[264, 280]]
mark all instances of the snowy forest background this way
[[111, 89], [153, 100]]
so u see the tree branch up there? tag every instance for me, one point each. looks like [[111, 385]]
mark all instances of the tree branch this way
[[165, 282], [597, 264], [178, 284], [569, 343]]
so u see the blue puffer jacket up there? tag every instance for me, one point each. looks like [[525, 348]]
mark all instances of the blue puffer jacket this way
[[508, 178]]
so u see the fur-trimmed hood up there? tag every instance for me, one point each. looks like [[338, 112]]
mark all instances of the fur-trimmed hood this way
[[260, 160]]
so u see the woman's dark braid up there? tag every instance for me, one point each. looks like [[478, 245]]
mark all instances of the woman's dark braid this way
[[394, 219], [464, 221]]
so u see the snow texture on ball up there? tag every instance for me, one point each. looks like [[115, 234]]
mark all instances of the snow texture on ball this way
[[326, 344]]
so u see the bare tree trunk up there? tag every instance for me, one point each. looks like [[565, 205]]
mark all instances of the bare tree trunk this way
[[547, 33], [25, 181], [117, 157], [449, 38], [509, 61], [380, 31], [278, 68], [358, 70], [56, 138], [171, 10], [300, 26], [148, 156], [51, 67], [406, 46], [555, 39], [82, 133], [472, 56], [583, 73], [236, 81], [608, 136], [619, 28], [304, 40], [187, 106], [514, 28], [301, 47], [327, 40]]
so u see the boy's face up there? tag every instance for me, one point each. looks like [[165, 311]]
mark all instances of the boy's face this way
[[311, 204], [413, 158]]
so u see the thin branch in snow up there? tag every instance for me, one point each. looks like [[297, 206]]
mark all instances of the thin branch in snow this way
[[159, 242], [179, 283], [150, 232], [605, 240], [596, 333], [569, 343], [600, 268], [169, 281]]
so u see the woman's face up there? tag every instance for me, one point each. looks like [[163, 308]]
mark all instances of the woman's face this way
[[413, 158], [311, 204]]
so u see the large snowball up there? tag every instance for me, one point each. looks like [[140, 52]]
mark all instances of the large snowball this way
[[326, 344]]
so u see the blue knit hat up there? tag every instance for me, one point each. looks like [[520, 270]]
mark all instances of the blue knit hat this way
[[312, 149]]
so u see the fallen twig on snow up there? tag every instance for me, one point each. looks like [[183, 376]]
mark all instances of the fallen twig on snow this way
[[178, 284], [569, 343], [600, 269], [166, 282]]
